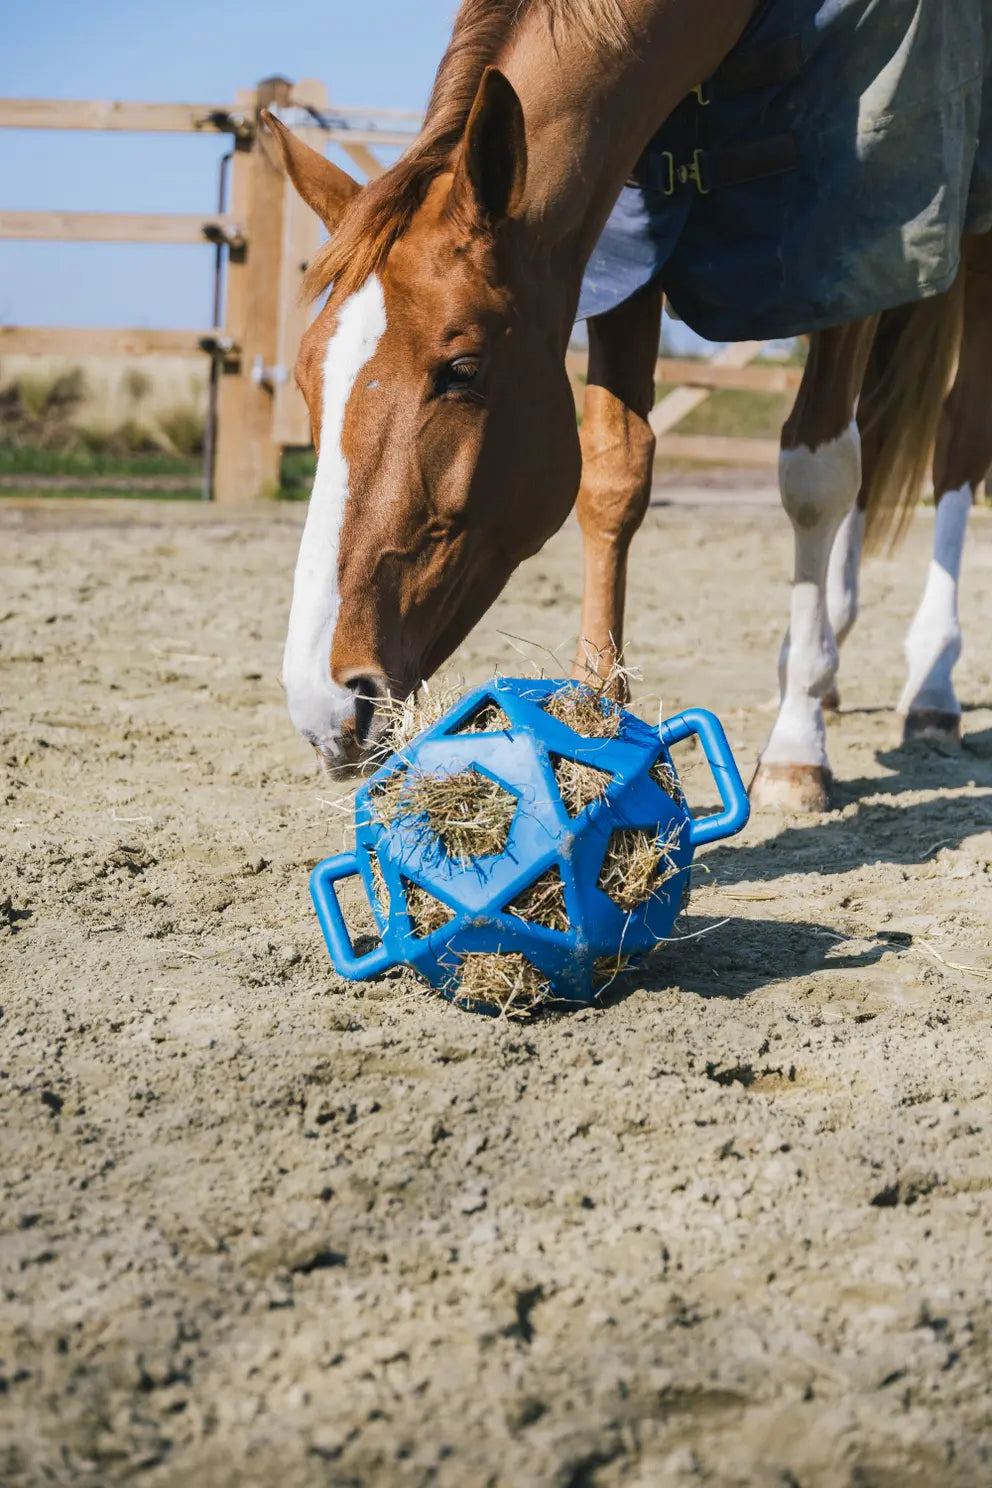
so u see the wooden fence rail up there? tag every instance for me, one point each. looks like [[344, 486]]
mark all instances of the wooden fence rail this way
[[263, 237]]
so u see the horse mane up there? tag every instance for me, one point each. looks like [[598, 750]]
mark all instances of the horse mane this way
[[381, 213]]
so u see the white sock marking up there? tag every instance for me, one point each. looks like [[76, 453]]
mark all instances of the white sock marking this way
[[843, 573], [317, 705], [933, 644], [818, 488]]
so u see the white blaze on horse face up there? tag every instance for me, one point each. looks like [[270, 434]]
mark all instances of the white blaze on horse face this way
[[818, 488], [317, 705], [933, 644]]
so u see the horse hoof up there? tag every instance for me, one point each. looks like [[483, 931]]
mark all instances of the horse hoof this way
[[791, 788], [830, 702], [932, 723]]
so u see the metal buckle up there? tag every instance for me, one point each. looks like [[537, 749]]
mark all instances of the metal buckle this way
[[703, 101], [669, 159], [692, 172]]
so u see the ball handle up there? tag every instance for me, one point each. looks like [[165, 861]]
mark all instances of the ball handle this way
[[736, 806], [325, 902]]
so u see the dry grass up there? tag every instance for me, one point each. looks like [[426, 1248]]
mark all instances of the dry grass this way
[[405, 718], [637, 864], [509, 982], [379, 883], [579, 785], [585, 709], [490, 719], [662, 774], [606, 969], [427, 914], [543, 902], [113, 389], [468, 813]]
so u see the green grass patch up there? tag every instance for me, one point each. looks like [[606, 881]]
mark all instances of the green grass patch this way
[[299, 465], [81, 463], [731, 412]]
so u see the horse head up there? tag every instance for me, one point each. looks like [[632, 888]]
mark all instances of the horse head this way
[[442, 417]]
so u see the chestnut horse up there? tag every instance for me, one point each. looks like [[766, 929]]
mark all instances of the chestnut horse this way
[[435, 380]]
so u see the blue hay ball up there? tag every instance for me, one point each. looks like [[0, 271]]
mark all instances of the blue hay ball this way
[[478, 898]]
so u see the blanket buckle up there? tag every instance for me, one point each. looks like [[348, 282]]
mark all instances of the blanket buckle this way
[[693, 172]]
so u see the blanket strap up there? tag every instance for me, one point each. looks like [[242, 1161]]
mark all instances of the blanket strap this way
[[770, 66], [708, 170]]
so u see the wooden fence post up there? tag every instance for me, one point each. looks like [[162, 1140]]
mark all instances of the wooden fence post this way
[[248, 453], [301, 239]]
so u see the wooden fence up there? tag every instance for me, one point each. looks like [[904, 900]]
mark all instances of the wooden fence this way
[[263, 237]]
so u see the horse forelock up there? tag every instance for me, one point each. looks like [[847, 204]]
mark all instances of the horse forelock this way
[[383, 211]]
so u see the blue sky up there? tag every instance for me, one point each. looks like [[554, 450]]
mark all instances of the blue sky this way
[[369, 53], [382, 53]]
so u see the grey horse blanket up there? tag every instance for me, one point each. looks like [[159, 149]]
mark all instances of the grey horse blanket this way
[[827, 171]]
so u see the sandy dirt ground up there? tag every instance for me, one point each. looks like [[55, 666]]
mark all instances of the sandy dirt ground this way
[[262, 1227]]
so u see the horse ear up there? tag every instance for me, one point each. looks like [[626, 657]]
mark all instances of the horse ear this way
[[323, 186], [492, 166]]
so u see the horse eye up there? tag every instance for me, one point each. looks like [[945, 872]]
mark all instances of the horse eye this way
[[458, 376]]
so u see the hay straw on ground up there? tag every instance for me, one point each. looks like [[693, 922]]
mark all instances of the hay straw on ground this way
[[543, 903], [578, 784], [637, 864], [509, 982]]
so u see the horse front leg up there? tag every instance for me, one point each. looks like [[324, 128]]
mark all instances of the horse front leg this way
[[617, 467], [963, 454], [819, 480]]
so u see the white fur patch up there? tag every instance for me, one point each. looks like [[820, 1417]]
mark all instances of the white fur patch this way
[[818, 488], [933, 644], [317, 705], [843, 574]]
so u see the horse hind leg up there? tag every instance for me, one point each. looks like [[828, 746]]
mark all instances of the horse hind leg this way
[[929, 705], [819, 479], [843, 587]]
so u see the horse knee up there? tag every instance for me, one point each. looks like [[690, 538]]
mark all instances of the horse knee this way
[[818, 486]]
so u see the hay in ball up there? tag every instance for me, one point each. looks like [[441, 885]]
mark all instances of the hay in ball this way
[[637, 864], [586, 709], [544, 901], [470, 816], [508, 982]]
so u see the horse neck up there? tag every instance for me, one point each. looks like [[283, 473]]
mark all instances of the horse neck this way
[[589, 111]]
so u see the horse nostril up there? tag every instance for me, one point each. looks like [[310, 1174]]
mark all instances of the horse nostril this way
[[367, 692]]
